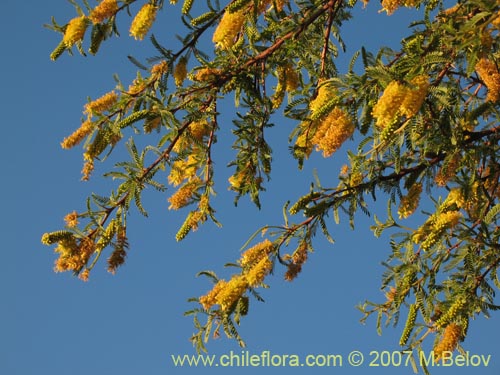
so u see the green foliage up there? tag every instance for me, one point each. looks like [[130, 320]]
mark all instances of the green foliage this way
[[441, 133]]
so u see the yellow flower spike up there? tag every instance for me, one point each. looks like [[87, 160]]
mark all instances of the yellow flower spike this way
[[324, 95], [390, 6], [387, 107], [78, 135], [101, 104], [210, 299], [256, 253], [143, 21], [414, 98], [182, 170], [199, 129], [452, 312], [105, 9], [449, 341], [159, 69], [255, 276], [455, 197], [488, 71], [75, 31], [183, 195], [333, 131], [229, 27], [409, 203], [410, 323], [231, 292]]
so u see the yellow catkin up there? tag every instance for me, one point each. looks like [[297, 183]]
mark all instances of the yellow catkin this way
[[199, 129], [182, 170], [159, 69], [210, 299], [75, 31], [88, 167], [390, 6], [455, 197], [137, 87], [299, 257], [324, 95], [414, 97], [229, 27], [409, 203], [71, 219], [180, 71], [183, 195], [256, 253], [101, 104], [255, 276], [103, 11], [205, 74], [388, 105], [452, 312], [488, 71], [449, 341], [333, 131], [78, 135], [447, 220], [232, 291], [143, 21]]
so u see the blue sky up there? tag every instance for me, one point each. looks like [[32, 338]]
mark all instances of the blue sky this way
[[132, 323]]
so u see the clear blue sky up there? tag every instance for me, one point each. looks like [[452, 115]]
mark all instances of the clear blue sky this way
[[132, 323]]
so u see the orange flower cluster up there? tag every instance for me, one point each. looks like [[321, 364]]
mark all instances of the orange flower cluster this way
[[101, 104], [451, 336], [256, 266], [324, 95], [71, 219], [400, 100], [143, 21], [333, 131], [297, 261], [256, 253], [74, 255], [159, 69], [488, 71], [409, 203], [105, 9], [387, 107], [390, 6], [229, 27], [183, 169], [75, 31], [183, 195], [78, 135]]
